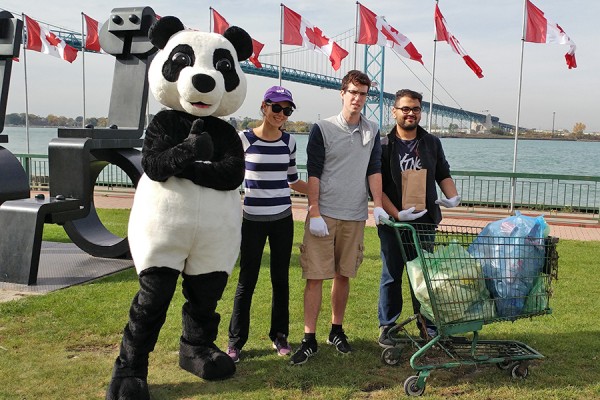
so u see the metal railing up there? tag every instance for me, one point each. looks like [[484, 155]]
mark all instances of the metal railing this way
[[541, 192], [37, 168]]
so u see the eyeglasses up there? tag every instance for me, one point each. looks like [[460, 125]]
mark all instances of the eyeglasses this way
[[277, 108], [407, 110], [354, 93]]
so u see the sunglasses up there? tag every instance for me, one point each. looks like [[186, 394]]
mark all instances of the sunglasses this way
[[276, 108]]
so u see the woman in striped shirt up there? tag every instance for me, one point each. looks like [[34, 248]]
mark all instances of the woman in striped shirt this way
[[270, 156]]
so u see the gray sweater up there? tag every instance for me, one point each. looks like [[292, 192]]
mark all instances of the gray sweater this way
[[342, 160]]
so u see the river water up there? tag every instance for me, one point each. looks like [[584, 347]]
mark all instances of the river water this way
[[464, 154]]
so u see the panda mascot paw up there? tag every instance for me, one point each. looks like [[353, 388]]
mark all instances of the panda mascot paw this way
[[206, 362], [128, 388], [186, 215], [201, 141]]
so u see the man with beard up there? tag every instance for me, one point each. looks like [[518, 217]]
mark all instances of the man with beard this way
[[408, 147]]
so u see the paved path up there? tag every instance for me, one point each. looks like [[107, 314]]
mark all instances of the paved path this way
[[565, 226]]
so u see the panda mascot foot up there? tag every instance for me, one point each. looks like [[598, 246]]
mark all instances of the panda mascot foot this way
[[206, 362], [129, 388]]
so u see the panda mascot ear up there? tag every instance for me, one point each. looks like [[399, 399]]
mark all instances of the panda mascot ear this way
[[242, 42], [162, 30]]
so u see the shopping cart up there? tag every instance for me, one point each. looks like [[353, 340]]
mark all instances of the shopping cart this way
[[456, 282]]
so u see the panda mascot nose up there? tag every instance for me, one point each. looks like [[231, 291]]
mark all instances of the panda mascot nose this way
[[203, 83]]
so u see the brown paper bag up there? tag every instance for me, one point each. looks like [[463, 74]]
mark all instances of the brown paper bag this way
[[414, 189]]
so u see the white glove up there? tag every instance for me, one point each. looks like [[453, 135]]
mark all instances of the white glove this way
[[378, 213], [409, 214], [318, 227], [449, 203]]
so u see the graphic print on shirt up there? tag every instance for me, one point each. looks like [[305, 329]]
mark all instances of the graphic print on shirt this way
[[409, 154]]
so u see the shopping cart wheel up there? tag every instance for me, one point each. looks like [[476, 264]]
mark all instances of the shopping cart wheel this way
[[519, 371], [411, 388], [504, 365], [391, 355]]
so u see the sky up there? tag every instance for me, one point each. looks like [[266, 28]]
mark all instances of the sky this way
[[552, 96]]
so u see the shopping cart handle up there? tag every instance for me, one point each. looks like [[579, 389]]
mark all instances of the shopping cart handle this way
[[395, 224], [387, 221]]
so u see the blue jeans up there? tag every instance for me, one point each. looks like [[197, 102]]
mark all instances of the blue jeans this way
[[390, 287]]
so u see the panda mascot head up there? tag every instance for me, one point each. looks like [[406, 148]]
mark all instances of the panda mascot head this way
[[186, 215], [198, 72]]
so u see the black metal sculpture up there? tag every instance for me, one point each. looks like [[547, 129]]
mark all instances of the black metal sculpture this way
[[77, 157], [14, 183]]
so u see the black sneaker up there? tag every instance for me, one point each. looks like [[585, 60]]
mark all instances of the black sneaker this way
[[305, 351], [430, 333], [384, 340], [340, 341]]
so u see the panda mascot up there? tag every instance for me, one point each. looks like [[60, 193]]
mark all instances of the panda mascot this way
[[186, 215]]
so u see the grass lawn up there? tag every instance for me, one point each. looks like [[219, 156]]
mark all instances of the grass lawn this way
[[62, 345]]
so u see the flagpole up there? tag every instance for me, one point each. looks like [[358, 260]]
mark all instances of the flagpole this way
[[210, 19], [26, 96], [356, 33], [280, 41], [514, 169], [83, 66], [430, 116]]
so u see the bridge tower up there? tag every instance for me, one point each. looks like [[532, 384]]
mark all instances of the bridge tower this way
[[375, 108]]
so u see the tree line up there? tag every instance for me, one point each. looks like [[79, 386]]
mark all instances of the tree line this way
[[18, 119]]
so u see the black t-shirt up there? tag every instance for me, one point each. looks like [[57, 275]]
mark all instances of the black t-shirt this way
[[408, 154]]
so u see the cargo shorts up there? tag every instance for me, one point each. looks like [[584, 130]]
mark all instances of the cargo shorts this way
[[339, 252]]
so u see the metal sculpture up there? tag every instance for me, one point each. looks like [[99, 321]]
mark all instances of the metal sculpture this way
[[77, 157]]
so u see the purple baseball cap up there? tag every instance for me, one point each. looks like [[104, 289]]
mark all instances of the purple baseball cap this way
[[276, 94]]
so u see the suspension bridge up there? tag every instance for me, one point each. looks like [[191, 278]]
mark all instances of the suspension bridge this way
[[309, 67]]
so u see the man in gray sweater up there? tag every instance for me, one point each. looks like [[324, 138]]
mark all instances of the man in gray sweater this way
[[344, 164]]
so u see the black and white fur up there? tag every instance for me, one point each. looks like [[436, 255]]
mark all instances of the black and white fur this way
[[186, 216]]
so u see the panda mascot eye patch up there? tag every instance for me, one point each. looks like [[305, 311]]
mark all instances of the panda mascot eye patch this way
[[223, 62], [181, 56]]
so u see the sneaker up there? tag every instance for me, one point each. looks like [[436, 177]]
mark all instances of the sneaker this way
[[281, 345], [384, 340], [234, 353], [431, 332], [340, 341], [305, 351]]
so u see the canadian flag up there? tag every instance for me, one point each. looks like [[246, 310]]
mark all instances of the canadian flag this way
[[44, 41], [298, 31], [92, 41], [539, 29], [443, 34], [373, 29], [220, 25]]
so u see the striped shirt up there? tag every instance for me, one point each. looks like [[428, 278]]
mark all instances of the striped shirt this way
[[270, 168]]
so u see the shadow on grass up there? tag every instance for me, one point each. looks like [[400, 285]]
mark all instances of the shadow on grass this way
[[330, 374]]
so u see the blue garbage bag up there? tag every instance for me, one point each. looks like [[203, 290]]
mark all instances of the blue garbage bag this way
[[511, 252]]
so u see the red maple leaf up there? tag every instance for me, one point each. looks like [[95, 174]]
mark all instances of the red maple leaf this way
[[388, 35], [53, 39], [316, 37]]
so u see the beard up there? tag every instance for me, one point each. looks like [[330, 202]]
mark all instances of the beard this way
[[409, 126]]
